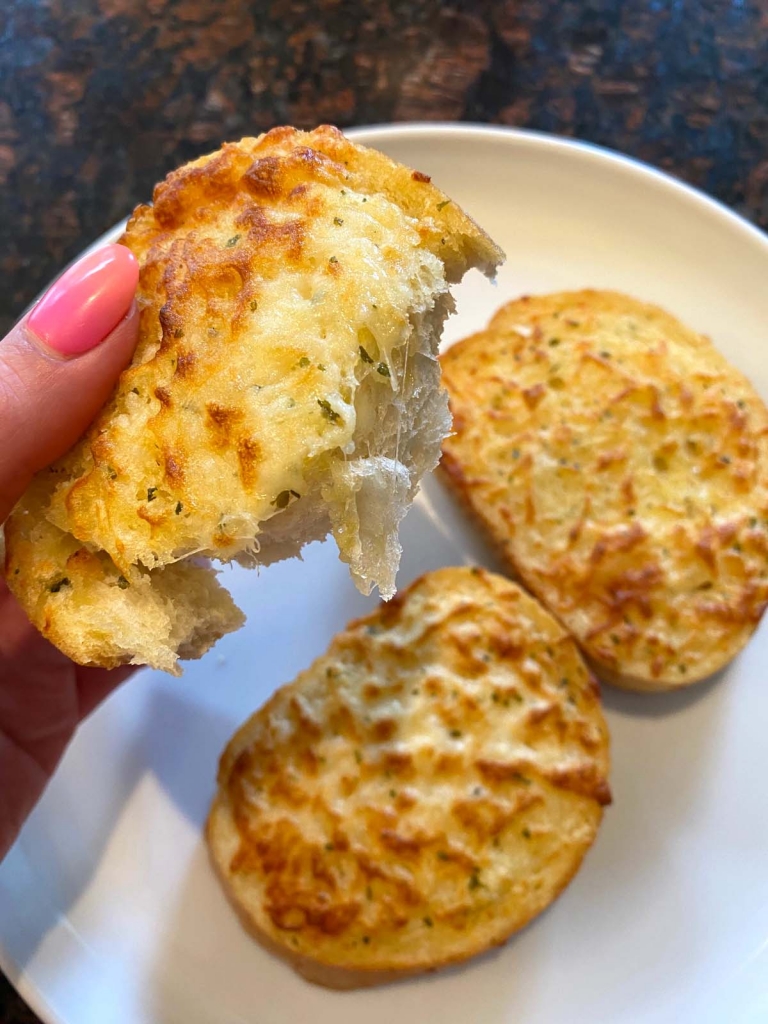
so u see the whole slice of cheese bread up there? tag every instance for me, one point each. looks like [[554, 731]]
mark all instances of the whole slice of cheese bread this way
[[621, 466], [422, 791]]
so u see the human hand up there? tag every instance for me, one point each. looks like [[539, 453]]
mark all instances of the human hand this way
[[58, 366]]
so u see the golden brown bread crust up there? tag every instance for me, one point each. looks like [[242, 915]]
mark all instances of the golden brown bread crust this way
[[620, 464], [80, 601], [422, 791], [291, 292]]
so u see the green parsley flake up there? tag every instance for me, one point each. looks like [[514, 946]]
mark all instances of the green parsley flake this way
[[383, 369], [151, 493], [233, 241], [63, 582], [328, 411], [364, 356]]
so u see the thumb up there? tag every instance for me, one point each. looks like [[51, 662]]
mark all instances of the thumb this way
[[59, 364]]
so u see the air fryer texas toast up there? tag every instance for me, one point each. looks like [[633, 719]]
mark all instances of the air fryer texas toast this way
[[422, 791], [292, 292], [620, 464]]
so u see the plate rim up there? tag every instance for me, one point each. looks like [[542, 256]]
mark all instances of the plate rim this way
[[369, 133], [19, 977], [554, 142]]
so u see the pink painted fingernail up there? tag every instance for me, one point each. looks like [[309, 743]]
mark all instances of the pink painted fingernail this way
[[87, 302]]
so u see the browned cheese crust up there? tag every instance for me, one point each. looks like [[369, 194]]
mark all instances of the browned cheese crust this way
[[620, 465], [422, 791]]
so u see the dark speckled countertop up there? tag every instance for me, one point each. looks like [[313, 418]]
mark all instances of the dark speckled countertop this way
[[99, 98]]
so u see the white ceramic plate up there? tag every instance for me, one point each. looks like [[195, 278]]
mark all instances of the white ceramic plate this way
[[108, 909]]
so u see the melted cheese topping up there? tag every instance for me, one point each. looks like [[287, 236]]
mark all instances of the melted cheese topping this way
[[271, 289]]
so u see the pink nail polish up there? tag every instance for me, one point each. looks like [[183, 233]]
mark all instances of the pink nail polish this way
[[87, 302]]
